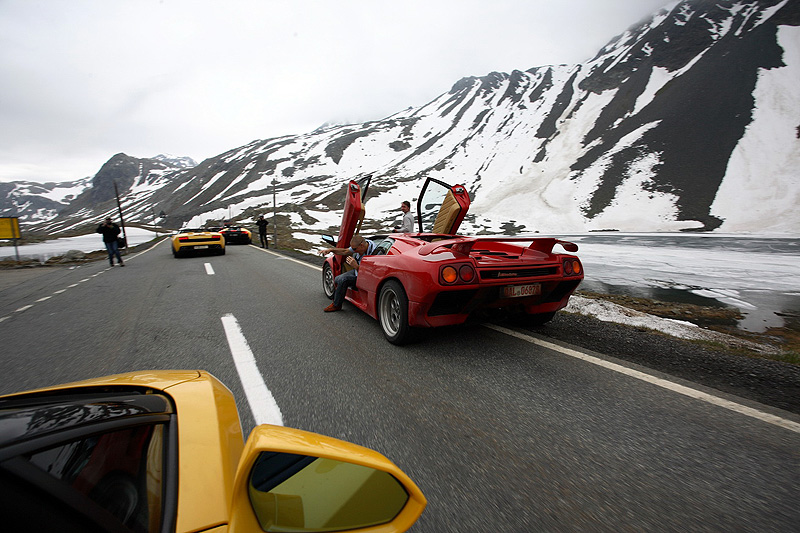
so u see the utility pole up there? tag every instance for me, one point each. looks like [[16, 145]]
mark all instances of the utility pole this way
[[274, 216], [121, 221]]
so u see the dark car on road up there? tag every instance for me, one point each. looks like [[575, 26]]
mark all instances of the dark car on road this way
[[236, 235]]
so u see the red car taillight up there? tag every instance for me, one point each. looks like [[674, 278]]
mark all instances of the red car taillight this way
[[183, 239], [572, 267], [451, 274]]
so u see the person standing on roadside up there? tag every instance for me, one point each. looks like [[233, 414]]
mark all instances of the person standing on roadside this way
[[110, 233], [407, 225], [262, 230]]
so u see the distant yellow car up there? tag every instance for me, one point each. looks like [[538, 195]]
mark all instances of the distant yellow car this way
[[187, 241], [163, 451]]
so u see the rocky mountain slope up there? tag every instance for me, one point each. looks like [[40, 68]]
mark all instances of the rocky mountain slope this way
[[687, 121]]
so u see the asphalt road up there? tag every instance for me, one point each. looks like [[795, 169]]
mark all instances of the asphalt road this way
[[500, 432]]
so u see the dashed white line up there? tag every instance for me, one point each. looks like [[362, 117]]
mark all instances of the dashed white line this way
[[663, 383], [209, 269], [262, 404], [26, 307]]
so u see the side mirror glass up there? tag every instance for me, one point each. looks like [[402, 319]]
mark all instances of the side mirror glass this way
[[294, 480], [328, 239], [291, 492]]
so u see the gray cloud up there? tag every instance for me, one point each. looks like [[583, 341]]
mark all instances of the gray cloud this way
[[86, 79]]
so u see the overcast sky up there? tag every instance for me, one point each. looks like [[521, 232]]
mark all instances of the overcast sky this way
[[83, 80]]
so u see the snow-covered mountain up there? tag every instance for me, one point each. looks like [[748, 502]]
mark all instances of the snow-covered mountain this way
[[688, 121], [176, 161]]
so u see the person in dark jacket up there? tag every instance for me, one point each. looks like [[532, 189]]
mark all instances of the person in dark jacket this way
[[110, 233], [262, 230]]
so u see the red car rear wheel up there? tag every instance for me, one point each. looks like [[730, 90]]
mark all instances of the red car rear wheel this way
[[393, 312]]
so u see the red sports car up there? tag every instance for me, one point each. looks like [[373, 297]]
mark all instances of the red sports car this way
[[437, 278]]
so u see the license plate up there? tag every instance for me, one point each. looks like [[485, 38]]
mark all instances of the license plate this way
[[201, 247], [516, 291]]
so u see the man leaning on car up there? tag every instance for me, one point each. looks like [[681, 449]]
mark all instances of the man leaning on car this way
[[359, 247]]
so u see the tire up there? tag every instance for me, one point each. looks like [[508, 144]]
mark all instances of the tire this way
[[175, 253], [221, 252], [393, 312], [327, 281]]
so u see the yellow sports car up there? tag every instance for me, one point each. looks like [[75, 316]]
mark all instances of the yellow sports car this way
[[197, 240], [163, 451]]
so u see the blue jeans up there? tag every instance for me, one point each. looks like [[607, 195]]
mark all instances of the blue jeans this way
[[343, 282], [113, 249]]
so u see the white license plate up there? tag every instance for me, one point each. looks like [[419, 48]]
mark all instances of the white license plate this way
[[201, 247], [516, 291]]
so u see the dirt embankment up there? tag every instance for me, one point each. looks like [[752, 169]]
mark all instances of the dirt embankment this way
[[785, 339]]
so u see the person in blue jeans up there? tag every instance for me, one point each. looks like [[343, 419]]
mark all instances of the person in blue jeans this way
[[110, 233], [359, 247]]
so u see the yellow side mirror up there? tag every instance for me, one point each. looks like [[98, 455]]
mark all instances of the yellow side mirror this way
[[294, 480]]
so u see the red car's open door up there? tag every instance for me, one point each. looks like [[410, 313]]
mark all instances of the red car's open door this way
[[354, 209], [441, 207]]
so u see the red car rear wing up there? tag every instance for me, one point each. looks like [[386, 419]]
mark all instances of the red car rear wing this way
[[463, 245]]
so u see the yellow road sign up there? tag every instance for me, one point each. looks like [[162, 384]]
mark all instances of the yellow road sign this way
[[9, 228]]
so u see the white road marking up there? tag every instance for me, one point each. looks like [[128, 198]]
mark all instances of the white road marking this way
[[209, 269], [669, 385], [262, 404], [279, 256], [26, 307]]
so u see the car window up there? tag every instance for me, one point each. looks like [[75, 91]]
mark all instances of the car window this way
[[429, 204], [382, 247], [121, 471], [363, 184]]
